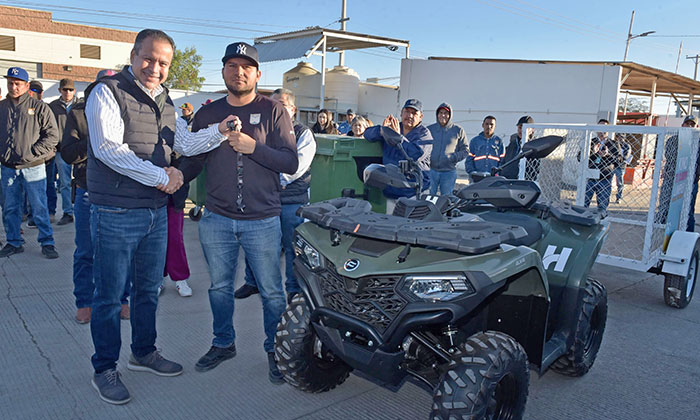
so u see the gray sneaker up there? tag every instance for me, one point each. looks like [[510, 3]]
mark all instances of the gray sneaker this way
[[154, 363], [110, 387]]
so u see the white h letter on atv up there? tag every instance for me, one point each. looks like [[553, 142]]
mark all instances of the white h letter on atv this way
[[560, 259]]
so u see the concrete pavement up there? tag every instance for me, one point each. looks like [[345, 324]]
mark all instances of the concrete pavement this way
[[648, 366]]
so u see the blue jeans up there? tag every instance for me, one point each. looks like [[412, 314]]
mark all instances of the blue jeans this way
[[14, 183], [289, 221], [63, 169], [129, 244], [83, 283], [221, 239], [619, 182], [51, 197], [445, 180], [602, 189]]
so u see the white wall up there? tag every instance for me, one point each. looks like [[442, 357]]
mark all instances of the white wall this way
[[550, 93], [61, 49], [377, 101]]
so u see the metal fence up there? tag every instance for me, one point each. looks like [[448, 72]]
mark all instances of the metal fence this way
[[636, 175]]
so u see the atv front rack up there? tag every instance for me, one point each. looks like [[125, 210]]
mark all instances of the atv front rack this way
[[355, 217]]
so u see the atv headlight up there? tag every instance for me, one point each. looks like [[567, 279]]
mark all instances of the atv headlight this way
[[308, 253], [437, 287]]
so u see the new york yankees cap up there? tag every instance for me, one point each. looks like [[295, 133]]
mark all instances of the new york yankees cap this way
[[243, 50], [18, 73]]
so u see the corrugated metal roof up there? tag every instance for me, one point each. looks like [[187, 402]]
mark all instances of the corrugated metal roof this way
[[285, 49]]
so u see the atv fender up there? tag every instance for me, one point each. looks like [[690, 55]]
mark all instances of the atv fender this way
[[680, 248]]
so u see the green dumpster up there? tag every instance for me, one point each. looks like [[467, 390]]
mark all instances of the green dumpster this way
[[198, 195], [339, 163]]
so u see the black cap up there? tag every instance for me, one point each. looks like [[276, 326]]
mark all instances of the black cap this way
[[241, 49], [525, 120], [350, 111], [415, 104], [36, 86]]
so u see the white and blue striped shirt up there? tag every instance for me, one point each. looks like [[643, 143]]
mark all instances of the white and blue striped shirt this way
[[106, 129]]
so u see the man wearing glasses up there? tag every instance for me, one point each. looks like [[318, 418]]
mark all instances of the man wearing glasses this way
[[243, 201], [60, 108]]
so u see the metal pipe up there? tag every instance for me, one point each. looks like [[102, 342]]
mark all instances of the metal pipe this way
[[629, 37], [323, 73], [343, 19]]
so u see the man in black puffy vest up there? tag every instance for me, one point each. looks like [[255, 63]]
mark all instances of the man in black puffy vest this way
[[133, 130], [294, 194]]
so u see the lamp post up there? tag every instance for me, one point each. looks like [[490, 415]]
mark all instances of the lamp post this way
[[631, 37]]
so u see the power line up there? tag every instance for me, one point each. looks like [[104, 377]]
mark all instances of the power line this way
[[115, 13]]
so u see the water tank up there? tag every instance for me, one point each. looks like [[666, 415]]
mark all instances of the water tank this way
[[342, 88], [305, 81]]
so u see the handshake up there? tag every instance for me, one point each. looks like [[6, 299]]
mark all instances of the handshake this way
[[175, 180]]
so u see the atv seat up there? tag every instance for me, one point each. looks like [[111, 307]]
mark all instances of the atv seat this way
[[531, 226]]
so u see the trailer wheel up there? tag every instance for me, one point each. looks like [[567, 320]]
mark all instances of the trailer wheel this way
[[678, 290], [589, 332], [301, 357], [487, 378], [195, 213]]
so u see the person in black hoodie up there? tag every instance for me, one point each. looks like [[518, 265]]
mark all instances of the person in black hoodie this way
[[74, 152]]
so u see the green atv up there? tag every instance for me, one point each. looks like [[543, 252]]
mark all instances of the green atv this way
[[458, 294]]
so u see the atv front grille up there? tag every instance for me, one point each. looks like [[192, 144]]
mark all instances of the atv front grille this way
[[371, 299]]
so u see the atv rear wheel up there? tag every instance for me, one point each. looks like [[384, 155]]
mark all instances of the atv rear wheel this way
[[678, 290], [301, 357], [487, 378], [589, 332]]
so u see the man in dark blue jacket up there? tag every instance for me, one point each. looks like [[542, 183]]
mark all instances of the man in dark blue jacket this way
[[449, 147], [486, 149], [416, 141]]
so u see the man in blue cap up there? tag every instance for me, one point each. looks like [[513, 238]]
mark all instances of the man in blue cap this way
[[415, 139], [28, 138]]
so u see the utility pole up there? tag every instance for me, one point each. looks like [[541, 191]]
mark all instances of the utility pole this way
[[695, 58], [343, 18], [631, 37]]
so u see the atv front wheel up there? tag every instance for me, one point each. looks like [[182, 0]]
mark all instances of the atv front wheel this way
[[589, 332], [678, 290], [301, 357], [487, 378]]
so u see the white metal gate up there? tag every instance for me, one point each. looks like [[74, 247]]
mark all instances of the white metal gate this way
[[648, 182]]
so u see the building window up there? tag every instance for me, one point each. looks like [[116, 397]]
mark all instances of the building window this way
[[90, 51], [7, 43]]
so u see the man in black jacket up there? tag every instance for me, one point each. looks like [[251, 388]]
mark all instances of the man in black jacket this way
[[60, 108], [28, 137], [74, 147]]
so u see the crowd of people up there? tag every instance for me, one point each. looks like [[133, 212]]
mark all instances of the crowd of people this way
[[122, 159]]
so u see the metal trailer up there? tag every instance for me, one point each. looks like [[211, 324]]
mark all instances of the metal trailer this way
[[650, 192]]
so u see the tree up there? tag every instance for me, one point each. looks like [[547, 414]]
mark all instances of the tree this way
[[184, 70], [633, 105]]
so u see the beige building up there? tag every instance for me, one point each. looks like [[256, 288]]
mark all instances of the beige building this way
[[53, 50]]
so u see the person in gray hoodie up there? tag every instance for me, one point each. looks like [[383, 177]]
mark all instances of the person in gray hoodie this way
[[449, 147]]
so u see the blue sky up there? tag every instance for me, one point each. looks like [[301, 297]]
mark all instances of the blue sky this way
[[548, 30]]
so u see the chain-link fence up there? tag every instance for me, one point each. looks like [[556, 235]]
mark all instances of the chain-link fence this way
[[642, 176]]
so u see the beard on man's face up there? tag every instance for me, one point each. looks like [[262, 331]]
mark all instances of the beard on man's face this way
[[239, 92]]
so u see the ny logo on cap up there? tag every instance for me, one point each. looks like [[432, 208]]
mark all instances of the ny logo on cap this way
[[240, 49], [15, 71]]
